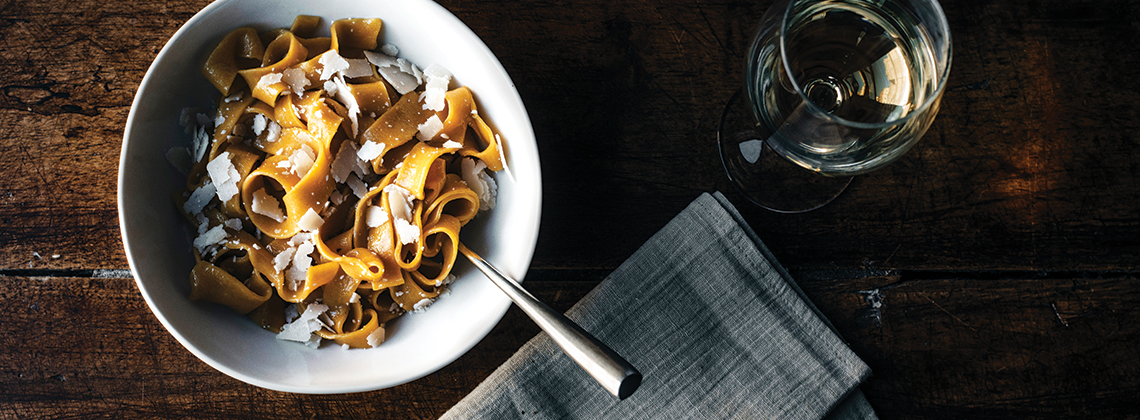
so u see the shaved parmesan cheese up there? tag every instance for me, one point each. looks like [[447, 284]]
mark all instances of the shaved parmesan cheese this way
[[390, 50], [376, 337], [401, 203], [201, 143], [301, 263], [409, 68], [401, 74], [357, 186], [402, 82], [357, 67], [435, 92], [310, 221], [422, 305], [259, 123], [219, 120], [274, 132], [452, 144], [381, 60], [266, 205], [233, 224], [472, 171], [268, 80], [303, 328], [376, 216], [184, 118], [342, 164], [503, 157], [302, 160], [203, 222], [330, 87], [344, 96], [224, 176], [300, 238], [370, 150], [429, 128], [234, 98], [348, 161], [281, 261], [210, 237], [296, 80], [331, 63]]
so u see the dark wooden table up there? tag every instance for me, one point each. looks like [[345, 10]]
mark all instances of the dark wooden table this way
[[989, 273]]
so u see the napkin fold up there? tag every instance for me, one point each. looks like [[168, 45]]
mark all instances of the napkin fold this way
[[716, 326]]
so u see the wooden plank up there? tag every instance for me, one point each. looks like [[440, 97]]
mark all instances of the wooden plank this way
[[70, 70], [993, 347], [939, 347]]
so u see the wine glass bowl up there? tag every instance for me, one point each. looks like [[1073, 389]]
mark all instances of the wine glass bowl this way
[[839, 87]]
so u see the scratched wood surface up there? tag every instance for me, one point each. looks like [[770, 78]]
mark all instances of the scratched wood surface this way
[[989, 273]]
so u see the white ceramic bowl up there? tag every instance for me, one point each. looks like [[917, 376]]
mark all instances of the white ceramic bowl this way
[[158, 246]]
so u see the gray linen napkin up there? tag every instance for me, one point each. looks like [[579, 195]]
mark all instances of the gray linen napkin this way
[[716, 326]]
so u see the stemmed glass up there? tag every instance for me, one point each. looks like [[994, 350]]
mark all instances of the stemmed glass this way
[[834, 88]]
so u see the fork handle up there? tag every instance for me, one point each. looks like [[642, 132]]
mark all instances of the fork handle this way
[[607, 367]]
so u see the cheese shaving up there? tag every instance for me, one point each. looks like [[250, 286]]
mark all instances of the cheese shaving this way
[[376, 216], [302, 160], [345, 96], [224, 176], [376, 337], [303, 328], [259, 124], [435, 92], [268, 80], [430, 128], [296, 80], [266, 205], [281, 260], [211, 237], [310, 221], [357, 67], [331, 63], [401, 203], [483, 185], [370, 150], [357, 186]]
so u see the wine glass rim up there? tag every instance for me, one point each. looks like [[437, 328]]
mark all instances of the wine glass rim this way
[[926, 104]]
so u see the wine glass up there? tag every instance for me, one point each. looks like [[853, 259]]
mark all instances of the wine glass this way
[[835, 88]]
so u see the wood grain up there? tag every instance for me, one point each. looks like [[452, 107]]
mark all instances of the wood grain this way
[[1002, 251], [90, 348], [1049, 348], [939, 348]]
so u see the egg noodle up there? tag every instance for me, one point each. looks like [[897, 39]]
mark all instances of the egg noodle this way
[[329, 187]]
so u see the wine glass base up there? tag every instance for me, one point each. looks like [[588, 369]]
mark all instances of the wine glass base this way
[[763, 176]]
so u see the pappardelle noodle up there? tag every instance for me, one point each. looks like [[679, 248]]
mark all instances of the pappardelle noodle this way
[[329, 186]]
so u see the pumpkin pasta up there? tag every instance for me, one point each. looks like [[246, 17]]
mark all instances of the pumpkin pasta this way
[[329, 186]]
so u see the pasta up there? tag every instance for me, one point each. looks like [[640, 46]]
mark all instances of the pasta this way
[[329, 186]]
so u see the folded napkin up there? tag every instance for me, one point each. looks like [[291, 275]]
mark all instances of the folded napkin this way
[[716, 326]]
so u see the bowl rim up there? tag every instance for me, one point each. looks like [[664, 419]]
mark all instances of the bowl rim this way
[[124, 225]]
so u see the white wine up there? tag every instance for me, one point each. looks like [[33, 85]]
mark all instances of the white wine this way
[[869, 76]]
